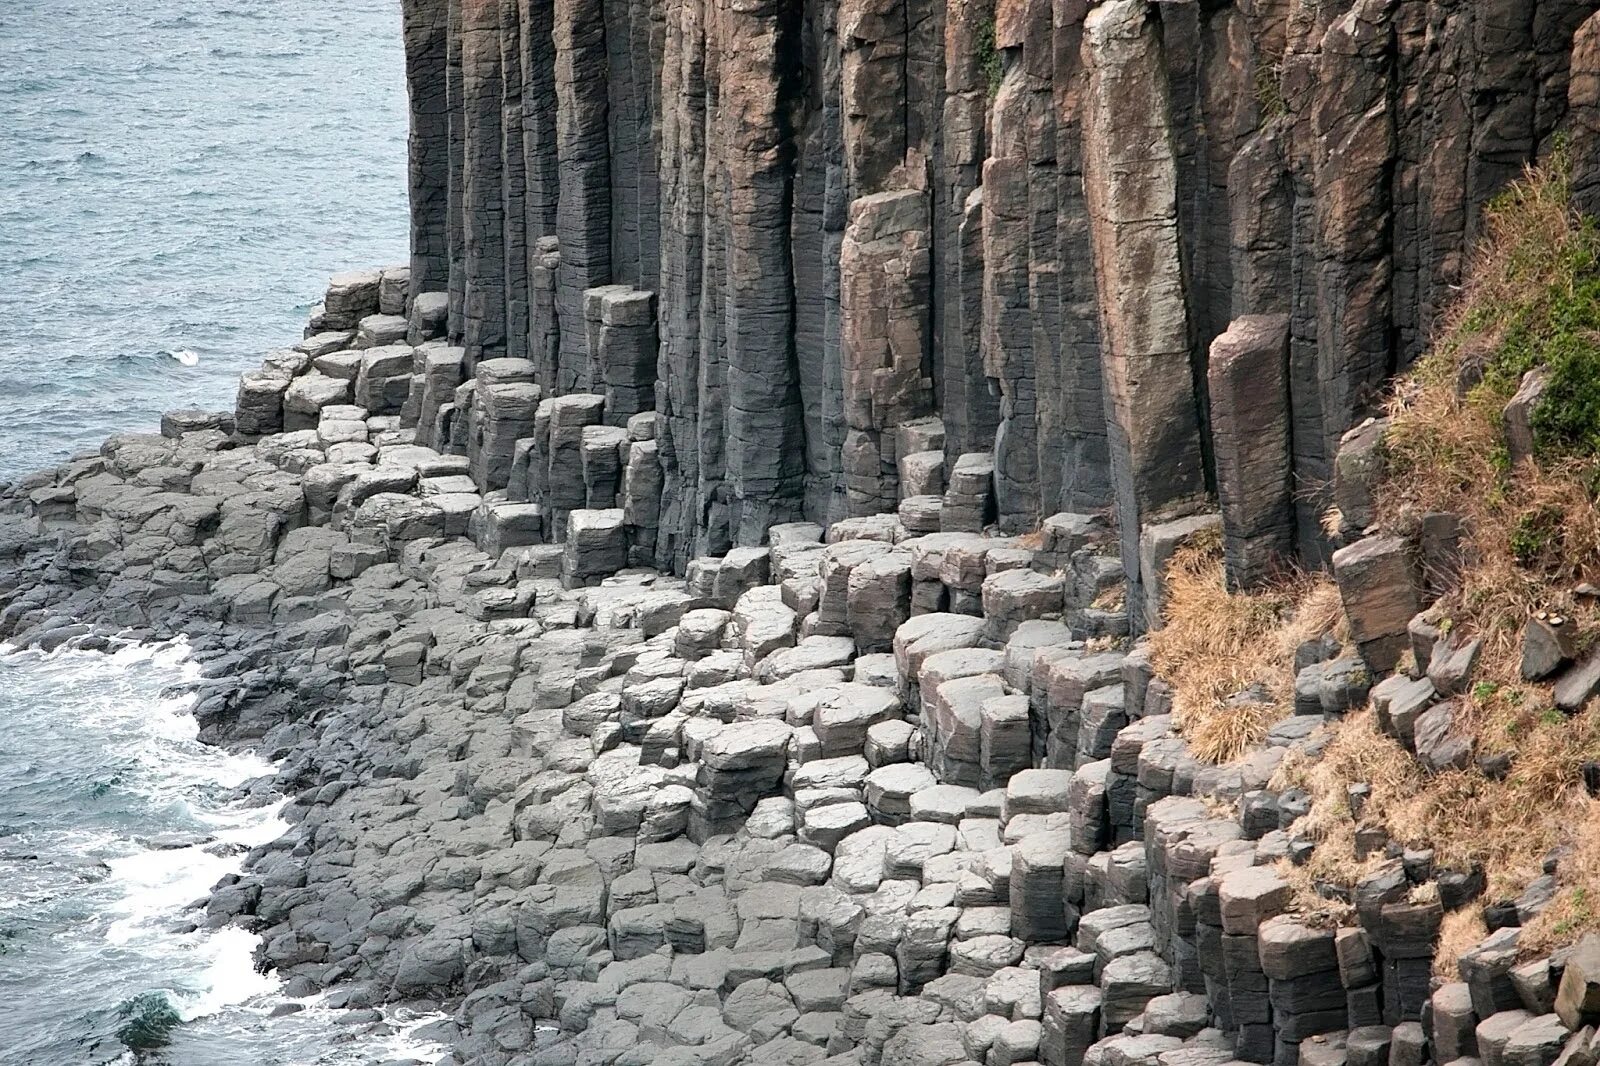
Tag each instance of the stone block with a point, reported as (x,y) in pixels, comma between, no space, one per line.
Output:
(1377,584)
(1249,395)
(1157,545)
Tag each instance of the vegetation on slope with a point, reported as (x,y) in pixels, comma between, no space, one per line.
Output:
(1217,644)
(1532,299)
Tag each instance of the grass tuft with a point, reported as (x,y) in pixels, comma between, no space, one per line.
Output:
(1215,644)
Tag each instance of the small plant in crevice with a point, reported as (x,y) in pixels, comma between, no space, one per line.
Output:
(987,54)
(1269,91)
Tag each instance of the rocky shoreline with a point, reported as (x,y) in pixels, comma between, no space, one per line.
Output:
(880,794)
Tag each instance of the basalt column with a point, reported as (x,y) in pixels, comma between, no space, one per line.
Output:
(1355,134)
(483,323)
(1007,338)
(1083,479)
(426,41)
(884,310)
(829,69)
(815,239)
(1294,93)
(969,408)
(872,35)
(455,236)
(541,171)
(1130,175)
(765,440)
(1044,289)
(1208,54)
(1585,96)
(514,163)
(683,119)
(635,248)
(583,211)
(710,494)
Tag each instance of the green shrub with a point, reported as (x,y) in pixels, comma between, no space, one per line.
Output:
(987,54)
(1546,311)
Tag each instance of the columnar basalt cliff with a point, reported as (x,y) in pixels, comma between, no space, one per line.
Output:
(1028,221)
(708,606)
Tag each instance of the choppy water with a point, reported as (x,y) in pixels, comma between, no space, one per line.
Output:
(115,821)
(177,180)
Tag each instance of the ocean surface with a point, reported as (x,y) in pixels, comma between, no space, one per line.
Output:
(179,178)
(115,821)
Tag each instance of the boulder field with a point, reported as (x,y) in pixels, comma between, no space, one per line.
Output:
(869,795)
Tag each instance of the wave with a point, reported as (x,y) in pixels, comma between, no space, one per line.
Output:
(183,356)
(171,822)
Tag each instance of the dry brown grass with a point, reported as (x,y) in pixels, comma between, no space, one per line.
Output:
(1505,826)
(1459,933)
(1534,534)
(1573,911)
(1215,644)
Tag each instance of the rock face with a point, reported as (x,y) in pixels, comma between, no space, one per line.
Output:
(789,230)
(693,600)
(866,794)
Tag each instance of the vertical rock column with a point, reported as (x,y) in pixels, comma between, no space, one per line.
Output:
(1297,86)
(1007,338)
(883,274)
(633,65)
(1078,405)
(765,439)
(1583,96)
(872,35)
(483,323)
(627,353)
(1354,126)
(709,496)
(455,237)
(1261,212)
(583,212)
(426,41)
(1250,426)
(514,162)
(544,332)
(441,374)
(541,171)
(1044,266)
(969,409)
(817,222)
(641,490)
(682,161)
(1131,179)
(835,217)
(505,401)
(561,481)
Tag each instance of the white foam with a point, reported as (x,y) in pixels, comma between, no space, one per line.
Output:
(230,978)
(213,971)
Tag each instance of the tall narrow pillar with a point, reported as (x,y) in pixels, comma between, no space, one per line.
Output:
(425,25)
(1130,176)
(483,209)
(583,213)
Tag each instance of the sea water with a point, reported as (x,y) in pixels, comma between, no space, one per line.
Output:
(115,821)
(179,178)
